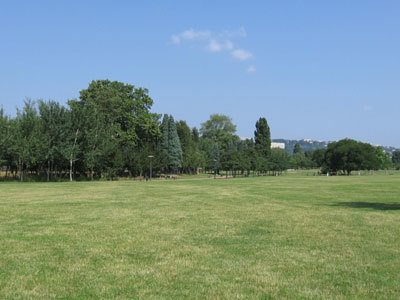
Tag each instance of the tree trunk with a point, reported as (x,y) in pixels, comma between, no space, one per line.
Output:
(71,161)
(48,171)
(91,174)
(21,174)
(70,170)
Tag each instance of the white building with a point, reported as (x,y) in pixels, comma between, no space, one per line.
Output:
(273,145)
(278,145)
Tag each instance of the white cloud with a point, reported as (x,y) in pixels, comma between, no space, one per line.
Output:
(368,108)
(241,32)
(192,34)
(216,46)
(241,54)
(228,45)
(175,39)
(216,42)
(251,69)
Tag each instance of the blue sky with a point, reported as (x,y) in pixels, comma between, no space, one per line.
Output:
(315,69)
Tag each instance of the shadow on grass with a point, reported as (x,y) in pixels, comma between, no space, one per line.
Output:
(373,205)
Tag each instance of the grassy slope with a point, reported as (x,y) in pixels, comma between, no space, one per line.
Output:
(267,237)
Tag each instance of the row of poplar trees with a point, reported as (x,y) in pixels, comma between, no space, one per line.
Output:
(110,132)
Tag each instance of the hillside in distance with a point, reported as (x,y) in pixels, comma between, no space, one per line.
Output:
(307,144)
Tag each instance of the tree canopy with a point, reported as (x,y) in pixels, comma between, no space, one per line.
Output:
(111,132)
(262,137)
(220,129)
(171,145)
(297,148)
(348,155)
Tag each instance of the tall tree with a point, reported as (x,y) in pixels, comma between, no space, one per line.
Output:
(210,153)
(279,160)
(120,123)
(185,138)
(262,137)
(396,157)
(188,146)
(244,155)
(318,157)
(195,135)
(165,138)
(297,148)
(5,137)
(171,145)
(383,157)
(73,132)
(220,129)
(300,161)
(192,156)
(27,138)
(175,149)
(96,137)
(53,120)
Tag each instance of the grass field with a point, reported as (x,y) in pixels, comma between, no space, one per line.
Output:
(289,237)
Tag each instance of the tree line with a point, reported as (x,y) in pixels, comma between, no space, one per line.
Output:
(110,132)
(345,156)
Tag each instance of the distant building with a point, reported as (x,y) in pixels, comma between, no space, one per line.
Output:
(278,145)
(273,144)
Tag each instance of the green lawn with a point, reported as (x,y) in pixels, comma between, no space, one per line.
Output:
(258,238)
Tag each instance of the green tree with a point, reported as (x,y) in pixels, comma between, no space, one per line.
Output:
(396,157)
(27,139)
(251,154)
(300,161)
(348,155)
(383,158)
(175,149)
(73,130)
(170,143)
(52,121)
(262,137)
(119,122)
(318,157)
(297,148)
(5,138)
(197,157)
(189,139)
(279,160)
(220,129)
(96,137)
(211,153)
(187,145)
(262,163)
(230,160)
(195,135)
(244,155)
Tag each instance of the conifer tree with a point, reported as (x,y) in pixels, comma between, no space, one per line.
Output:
(262,136)
(170,144)
(174,146)
(165,135)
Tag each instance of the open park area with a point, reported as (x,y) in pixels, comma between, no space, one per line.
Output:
(258,238)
